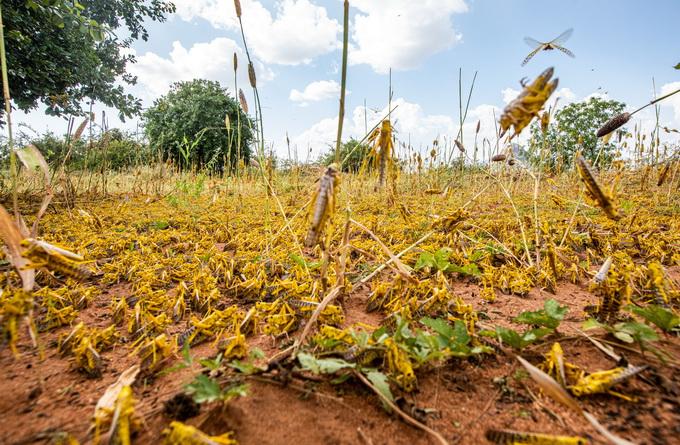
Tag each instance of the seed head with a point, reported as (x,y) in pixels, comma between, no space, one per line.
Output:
(251,75)
(237,5)
(242,100)
(613,123)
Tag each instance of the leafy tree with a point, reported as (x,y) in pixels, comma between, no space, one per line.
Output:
(188,125)
(61,52)
(112,150)
(573,128)
(357,153)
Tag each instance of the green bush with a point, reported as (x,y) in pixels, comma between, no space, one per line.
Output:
(573,128)
(187,125)
(356,152)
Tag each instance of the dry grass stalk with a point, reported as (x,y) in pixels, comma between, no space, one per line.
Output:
(603,199)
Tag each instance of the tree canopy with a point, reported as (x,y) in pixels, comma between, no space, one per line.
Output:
(573,128)
(351,152)
(61,52)
(188,125)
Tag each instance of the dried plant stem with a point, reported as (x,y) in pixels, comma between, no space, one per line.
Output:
(332,295)
(367,278)
(8,113)
(408,419)
(519,220)
(343,82)
(403,271)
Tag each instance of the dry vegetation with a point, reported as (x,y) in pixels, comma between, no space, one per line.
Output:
(208,290)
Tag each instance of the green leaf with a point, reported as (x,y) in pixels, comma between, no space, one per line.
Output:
(639,331)
(482,349)
(322,366)
(468,269)
(539,318)
(304,263)
(550,316)
(204,389)
(212,364)
(426,259)
(441,258)
(554,310)
(256,353)
(677,67)
(440,326)
(624,337)
(591,323)
(518,341)
(659,316)
(235,391)
(244,367)
(535,334)
(509,336)
(159,225)
(379,380)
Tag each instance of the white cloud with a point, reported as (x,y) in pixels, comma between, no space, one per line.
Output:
(401,34)
(315,92)
(411,123)
(673,101)
(299,31)
(212,60)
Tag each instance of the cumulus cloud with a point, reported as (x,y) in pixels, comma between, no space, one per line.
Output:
(210,60)
(401,34)
(673,101)
(297,33)
(411,123)
(315,92)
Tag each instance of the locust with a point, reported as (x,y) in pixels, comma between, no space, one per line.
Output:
(54,258)
(529,103)
(555,43)
(324,204)
(507,437)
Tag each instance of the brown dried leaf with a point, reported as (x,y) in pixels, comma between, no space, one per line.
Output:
(550,386)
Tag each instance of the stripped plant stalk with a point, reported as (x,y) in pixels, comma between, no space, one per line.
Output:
(8,113)
(343,82)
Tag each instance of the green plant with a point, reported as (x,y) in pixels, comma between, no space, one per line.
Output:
(549,317)
(439,261)
(205,389)
(187,125)
(663,318)
(453,340)
(573,129)
(519,340)
(546,321)
(352,152)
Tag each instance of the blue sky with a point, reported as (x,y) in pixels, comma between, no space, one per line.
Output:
(619,47)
